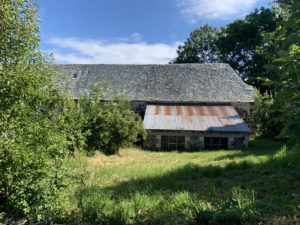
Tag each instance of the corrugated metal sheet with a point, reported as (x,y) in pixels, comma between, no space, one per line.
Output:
(194,118)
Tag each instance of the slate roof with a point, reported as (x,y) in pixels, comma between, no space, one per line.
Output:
(181,83)
(221,118)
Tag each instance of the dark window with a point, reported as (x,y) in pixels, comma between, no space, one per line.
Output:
(215,143)
(172,142)
(215,140)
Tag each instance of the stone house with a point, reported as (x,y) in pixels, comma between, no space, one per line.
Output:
(183,106)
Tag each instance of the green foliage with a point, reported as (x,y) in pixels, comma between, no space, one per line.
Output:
(94,124)
(33,151)
(115,125)
(283,52)
(200,47)
(264,49)
(19,32)
(86,113)
(265,115)
(72,120)
(77,118)
(238,42)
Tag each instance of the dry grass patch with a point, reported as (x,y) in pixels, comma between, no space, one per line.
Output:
(125,156)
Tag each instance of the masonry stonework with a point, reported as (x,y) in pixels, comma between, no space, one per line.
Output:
(195,140)
(245,109)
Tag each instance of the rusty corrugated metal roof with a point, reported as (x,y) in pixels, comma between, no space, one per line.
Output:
(194,118)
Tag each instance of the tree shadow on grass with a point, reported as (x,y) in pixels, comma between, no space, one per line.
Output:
(232,156)
(268,152)
(274,180)
(195,179)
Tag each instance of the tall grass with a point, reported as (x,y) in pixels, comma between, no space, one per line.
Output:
(259,184)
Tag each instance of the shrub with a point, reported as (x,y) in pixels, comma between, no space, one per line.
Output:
(265,115)
(33,150)
(116,125)
(95,124)
(73,122)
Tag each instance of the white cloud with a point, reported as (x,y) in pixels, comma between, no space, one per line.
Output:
(195,10)
(133,38)
(131,50)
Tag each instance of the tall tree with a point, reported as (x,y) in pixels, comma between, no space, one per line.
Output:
(283,52)
(238,42)
(200,47)
(31,145)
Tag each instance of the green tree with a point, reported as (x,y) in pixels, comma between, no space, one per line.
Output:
(32,147)
(238,42)
(199,47)
(77,119)
(235,44)
(265,115)
(283,52)
(93,123)
(73,121)
(115,126)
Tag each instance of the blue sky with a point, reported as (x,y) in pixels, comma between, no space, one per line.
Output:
(129,31)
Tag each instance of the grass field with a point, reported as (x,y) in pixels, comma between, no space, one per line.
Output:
(260,184)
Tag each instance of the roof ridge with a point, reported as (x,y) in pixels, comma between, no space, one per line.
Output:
(173,64)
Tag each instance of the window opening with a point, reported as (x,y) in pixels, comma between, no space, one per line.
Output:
(215,143)
(172,142)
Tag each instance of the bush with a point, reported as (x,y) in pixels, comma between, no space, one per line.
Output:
(33,149)
(115,125)
(72,121)
(266,115)
(93,124)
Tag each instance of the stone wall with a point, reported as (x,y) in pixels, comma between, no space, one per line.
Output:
(238,142)
(153,141)
(195,140)
(245,109)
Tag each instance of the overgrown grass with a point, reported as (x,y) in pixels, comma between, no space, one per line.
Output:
(249,186)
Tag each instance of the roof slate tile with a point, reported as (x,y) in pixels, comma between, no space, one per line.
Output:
(186,83)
